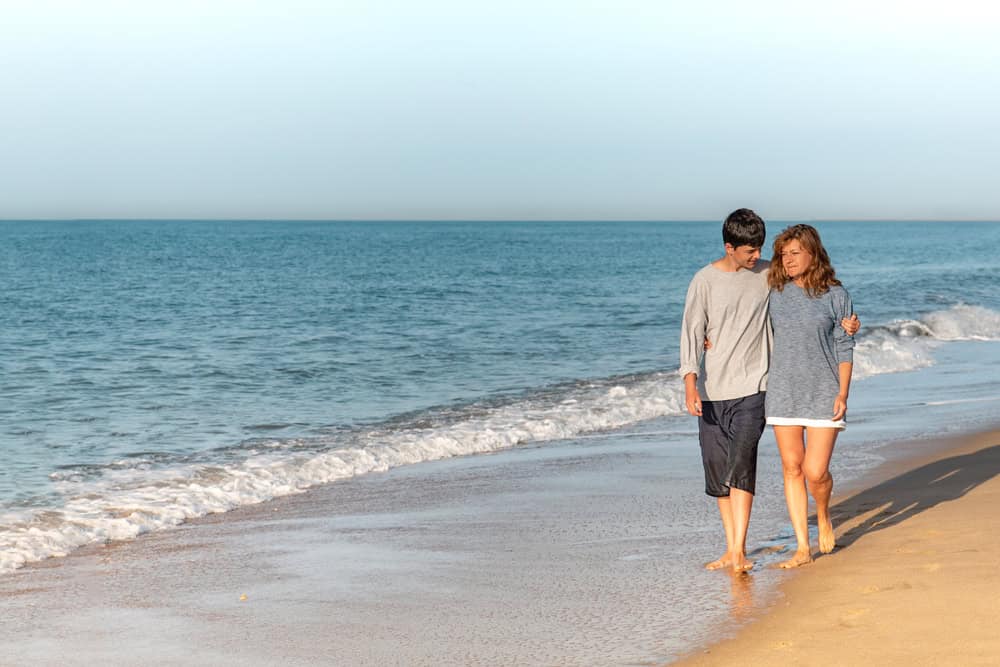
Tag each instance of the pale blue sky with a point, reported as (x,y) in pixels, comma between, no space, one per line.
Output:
(364,109)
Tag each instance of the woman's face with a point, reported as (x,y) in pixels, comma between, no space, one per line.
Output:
(795,259)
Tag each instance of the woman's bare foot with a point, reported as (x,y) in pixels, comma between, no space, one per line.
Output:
(800,558)
(826,539)
(720,563)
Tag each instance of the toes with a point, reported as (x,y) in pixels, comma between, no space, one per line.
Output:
(827,541)
(796,561)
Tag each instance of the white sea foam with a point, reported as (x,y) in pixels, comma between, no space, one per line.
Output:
(128,498)
(907,345)
(888,351)
(964,323)
(127,501)
(956,401)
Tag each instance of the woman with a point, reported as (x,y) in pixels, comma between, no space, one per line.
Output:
(809,378)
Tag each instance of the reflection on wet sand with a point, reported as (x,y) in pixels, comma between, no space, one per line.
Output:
(741,595)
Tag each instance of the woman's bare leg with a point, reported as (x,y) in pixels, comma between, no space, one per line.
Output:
(792,448)
(816,466)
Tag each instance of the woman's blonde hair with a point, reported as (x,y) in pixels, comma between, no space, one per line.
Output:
(820,275)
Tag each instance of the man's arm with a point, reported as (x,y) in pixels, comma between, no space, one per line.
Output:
(693,328)
(692,399)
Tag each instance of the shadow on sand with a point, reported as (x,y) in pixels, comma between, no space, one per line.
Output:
(914,492)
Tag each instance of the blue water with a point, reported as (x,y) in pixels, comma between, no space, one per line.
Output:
(155,371)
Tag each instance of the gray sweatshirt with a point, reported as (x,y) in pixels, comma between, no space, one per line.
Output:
(730,309)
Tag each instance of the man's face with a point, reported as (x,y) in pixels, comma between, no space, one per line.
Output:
(745,256)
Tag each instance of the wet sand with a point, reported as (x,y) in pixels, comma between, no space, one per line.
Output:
(915,579)
(558,555)
(565,554)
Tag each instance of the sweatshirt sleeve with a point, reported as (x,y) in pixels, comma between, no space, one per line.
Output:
(842,307)
(693,327)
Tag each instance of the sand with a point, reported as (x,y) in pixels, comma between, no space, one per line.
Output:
(915,579)
(554,555)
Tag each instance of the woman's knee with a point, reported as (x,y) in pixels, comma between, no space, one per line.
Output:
(817,476)
(792,469)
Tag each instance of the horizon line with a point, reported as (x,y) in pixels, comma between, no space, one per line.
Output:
(484,220)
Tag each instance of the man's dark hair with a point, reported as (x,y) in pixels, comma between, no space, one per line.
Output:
(743,227)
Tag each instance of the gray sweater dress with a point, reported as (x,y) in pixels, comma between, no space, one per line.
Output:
(809,346)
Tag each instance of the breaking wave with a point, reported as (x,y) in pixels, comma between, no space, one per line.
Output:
(127,498)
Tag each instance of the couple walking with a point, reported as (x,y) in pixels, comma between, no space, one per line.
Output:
(735,380)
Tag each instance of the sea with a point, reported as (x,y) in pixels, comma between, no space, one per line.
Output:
(152,372)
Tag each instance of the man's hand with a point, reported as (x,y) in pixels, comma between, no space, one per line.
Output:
(851,324)
(692,400)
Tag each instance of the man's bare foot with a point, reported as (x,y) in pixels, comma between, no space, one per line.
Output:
(826,539)
(720,563)
(800,558)
(741,564)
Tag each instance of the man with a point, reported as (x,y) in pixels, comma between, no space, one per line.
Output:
(725,381)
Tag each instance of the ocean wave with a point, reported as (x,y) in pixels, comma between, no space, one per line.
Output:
(907,345)
(130,497)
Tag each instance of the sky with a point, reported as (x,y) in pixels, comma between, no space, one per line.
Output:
(618,110)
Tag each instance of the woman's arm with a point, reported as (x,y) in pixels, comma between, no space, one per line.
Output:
(844,349)
(840,403)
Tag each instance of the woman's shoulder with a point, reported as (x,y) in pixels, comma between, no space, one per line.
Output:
(838,292)
(838,298)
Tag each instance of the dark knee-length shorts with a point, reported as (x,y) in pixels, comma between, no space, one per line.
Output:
(728,432)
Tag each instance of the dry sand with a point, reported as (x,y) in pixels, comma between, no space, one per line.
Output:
(915,579)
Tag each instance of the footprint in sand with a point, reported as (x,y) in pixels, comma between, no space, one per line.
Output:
(637,556)
(932,567)
(849,620)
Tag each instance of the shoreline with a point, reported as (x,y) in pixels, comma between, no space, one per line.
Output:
(559,554)
(913,579)
(563,554)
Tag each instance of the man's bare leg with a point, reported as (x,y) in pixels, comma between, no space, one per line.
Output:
(740,503)
(734,511)
(726,514)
